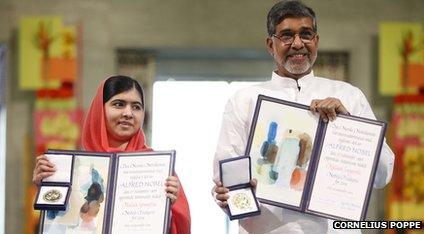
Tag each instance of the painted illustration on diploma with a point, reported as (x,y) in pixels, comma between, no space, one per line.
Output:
(284,162)
(92,201)
(281,148)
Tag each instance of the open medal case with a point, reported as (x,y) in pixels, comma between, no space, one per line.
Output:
(54,191)
(235,174)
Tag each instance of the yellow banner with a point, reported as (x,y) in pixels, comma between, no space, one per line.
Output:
(401,58)
(47,53)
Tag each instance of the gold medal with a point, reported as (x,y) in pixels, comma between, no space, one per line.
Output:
(242,201)
(53,195)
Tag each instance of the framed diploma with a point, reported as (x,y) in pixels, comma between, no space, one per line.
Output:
(113,193)
(236,175)
(304,164)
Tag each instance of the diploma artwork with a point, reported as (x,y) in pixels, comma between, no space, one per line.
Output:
(107,193)
(304,164)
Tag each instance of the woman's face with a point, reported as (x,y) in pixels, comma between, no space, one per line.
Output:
(124,117)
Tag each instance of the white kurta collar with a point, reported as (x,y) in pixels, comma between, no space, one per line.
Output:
(288,82)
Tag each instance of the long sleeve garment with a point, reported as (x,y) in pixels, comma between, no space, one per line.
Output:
(234,133)
(180,211)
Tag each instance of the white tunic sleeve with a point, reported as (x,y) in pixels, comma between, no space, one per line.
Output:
(232,138)
(387,157)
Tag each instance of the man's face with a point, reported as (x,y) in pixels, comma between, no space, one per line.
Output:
(296,59)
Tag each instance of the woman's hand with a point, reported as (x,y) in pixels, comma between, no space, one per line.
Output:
(328,108)
(172,188)
(43,169)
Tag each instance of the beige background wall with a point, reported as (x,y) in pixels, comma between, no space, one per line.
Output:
(348,25)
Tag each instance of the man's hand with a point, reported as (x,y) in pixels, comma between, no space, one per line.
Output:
(254,183)
(221,193)
(328,108)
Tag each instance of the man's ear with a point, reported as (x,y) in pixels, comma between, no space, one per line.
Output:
(317,36)
(270,46)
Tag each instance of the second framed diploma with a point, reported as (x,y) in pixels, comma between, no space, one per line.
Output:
(304,164)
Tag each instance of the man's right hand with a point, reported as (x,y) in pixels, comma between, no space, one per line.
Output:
(221,193)
(43,169)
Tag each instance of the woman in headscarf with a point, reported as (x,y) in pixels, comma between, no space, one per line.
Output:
(114,124)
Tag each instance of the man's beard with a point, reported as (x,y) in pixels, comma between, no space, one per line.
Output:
(296,68)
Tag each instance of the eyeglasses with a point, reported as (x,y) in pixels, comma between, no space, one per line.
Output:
(288,37)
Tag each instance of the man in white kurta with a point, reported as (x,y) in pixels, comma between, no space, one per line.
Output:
(236,124)
(293,43)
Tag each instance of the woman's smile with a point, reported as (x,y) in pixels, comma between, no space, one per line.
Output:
(124,116)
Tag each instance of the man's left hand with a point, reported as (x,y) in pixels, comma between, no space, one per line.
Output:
(328,108)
